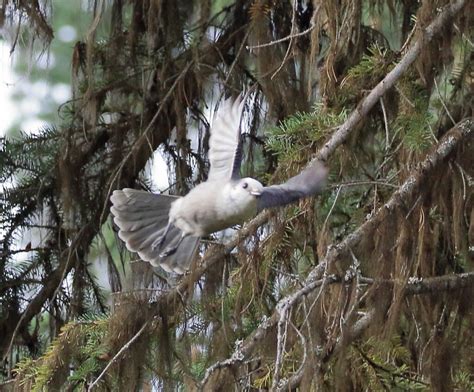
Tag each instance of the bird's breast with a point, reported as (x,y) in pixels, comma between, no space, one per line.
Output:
(209,208)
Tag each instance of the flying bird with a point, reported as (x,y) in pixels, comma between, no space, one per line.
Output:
(165,230)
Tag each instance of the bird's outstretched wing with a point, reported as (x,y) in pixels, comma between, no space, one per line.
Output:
(225,150)
(309,182)
(142,218)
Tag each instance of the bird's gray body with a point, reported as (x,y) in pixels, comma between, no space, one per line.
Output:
(165,230)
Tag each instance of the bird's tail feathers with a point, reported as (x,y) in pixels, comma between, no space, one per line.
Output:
(142,219)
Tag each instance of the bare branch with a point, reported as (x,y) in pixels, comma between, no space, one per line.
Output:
(277,41)
(116,356)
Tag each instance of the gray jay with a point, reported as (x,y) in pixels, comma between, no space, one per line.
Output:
(165,230)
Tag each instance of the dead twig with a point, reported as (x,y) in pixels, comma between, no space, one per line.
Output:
(116,356)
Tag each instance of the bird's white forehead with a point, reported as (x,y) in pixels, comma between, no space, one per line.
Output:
(253,183)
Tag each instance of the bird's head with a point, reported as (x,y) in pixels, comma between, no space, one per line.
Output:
(247,188)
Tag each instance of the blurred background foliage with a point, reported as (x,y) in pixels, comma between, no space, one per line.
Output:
(40,83)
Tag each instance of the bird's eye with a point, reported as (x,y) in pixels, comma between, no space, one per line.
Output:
(245,185)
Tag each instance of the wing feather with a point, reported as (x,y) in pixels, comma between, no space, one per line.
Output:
(225,143)
(307,183)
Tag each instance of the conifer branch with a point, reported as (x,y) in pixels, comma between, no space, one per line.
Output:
(404,196)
